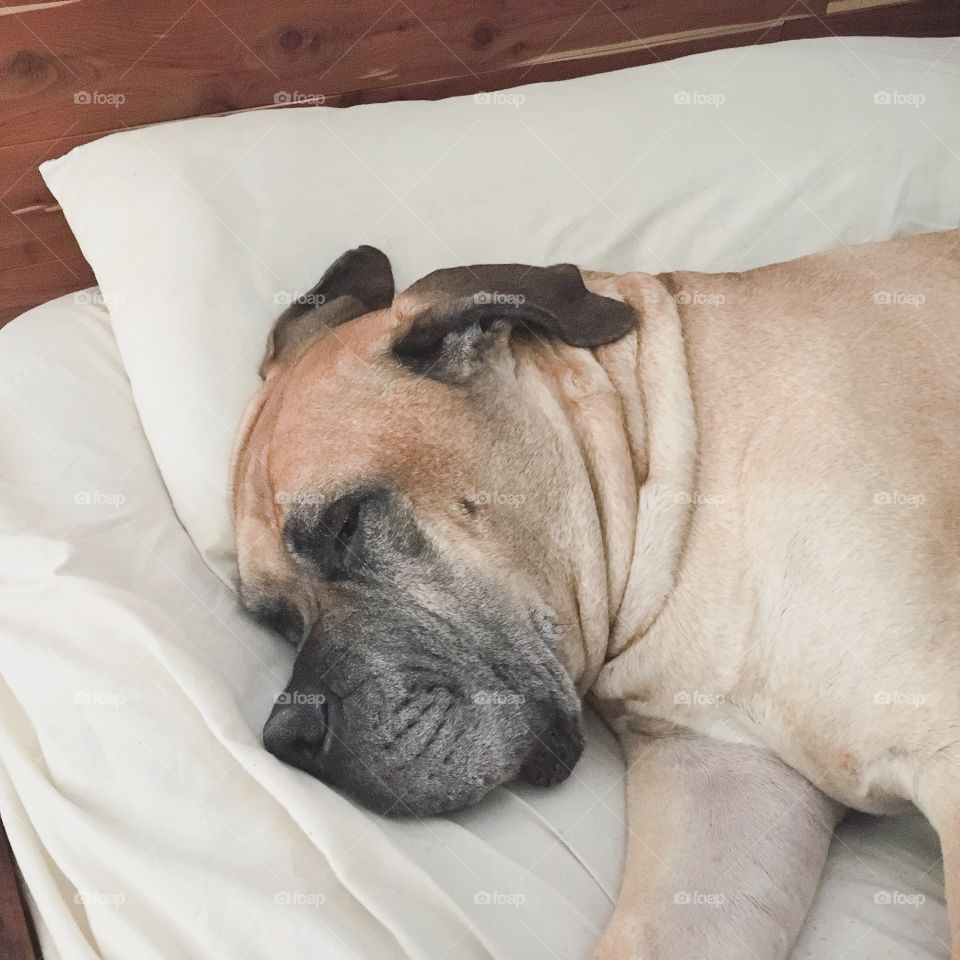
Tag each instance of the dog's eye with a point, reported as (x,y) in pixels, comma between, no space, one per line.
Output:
(331,545)
(280,615)
(347,542)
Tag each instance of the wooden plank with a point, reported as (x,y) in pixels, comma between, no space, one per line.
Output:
(929,18)
(18,939)
(843,6)
(177,58)
(26,287)
(82,68)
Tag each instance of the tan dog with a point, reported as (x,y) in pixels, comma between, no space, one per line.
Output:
(724,506)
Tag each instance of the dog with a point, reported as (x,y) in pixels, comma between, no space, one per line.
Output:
(722,507)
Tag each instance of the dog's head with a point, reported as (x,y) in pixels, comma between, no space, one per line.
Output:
(402,498)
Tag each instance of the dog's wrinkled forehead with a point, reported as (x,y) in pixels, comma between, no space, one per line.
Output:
(365,386)
(351,359)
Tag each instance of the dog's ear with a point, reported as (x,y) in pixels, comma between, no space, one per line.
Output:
(460,311)
(357,282)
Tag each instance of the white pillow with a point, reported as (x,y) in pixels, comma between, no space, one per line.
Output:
(200,231)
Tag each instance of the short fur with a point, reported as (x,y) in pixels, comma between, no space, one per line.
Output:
(735,527)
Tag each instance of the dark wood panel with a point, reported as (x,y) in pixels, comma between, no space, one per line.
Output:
(940,18)
(24,287)
(73,70)
(100,65)
(17,937)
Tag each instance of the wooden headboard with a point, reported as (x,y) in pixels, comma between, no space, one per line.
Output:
(74,70)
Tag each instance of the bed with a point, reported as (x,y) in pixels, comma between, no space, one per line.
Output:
(145,817)
(148,821)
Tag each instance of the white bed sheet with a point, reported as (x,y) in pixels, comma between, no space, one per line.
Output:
(146,817)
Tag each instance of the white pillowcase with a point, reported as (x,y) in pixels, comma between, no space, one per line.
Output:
(200,231)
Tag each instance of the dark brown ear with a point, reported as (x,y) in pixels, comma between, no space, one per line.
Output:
(357,282)
(465,306)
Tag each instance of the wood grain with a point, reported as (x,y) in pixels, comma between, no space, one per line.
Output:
(74,70)
(17,937)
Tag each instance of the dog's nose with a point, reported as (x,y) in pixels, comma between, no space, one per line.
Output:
(297,729)
(556,753)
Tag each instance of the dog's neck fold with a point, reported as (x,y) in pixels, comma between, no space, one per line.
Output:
(630,410)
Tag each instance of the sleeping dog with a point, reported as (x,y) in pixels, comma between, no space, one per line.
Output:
(724,507)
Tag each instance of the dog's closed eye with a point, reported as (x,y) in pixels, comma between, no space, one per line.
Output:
(331,542)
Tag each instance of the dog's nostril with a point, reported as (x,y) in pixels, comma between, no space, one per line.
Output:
(296,732)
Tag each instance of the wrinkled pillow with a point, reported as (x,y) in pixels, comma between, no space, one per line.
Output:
(201,231)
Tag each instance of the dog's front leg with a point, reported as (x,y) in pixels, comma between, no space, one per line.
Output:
(725,849)
(939,799)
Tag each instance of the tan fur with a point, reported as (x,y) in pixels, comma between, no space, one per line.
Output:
(745,515)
